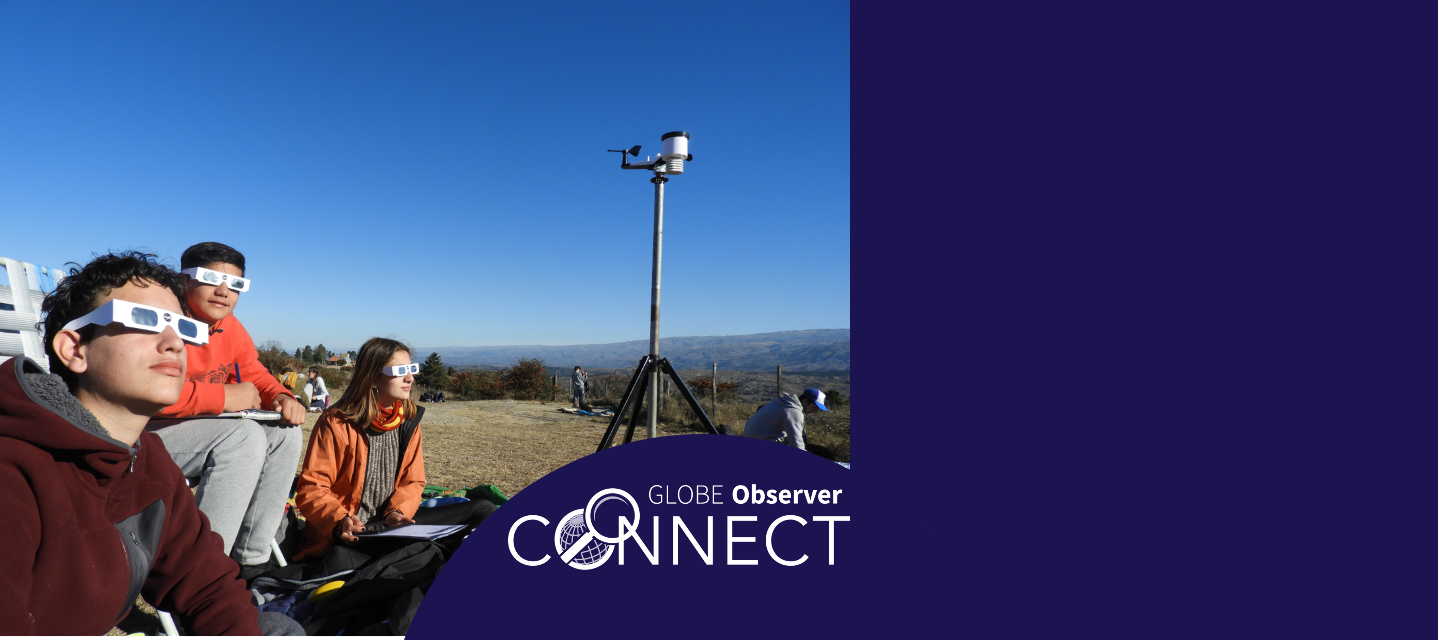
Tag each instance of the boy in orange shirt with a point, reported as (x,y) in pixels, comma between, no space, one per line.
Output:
(245,467)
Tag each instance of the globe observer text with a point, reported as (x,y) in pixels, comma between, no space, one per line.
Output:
(710,494)
(578,532)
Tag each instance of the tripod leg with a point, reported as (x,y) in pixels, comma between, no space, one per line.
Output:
(639,404)
(625,401)
(689,397)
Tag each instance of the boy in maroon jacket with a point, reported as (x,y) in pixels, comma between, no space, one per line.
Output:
(96,512)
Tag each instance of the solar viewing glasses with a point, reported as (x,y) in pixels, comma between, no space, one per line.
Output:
(139,316)
(206,276)
(400,370)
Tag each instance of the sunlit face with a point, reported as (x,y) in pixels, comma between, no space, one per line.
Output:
(392,389)
(134,367)
(210,302)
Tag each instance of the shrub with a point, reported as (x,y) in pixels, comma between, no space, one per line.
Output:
(528,380)
(723,390)
(275,359)
(835,399)
(698,385)
(336,377)
(476,385)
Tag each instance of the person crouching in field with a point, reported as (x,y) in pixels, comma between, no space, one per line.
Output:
(783,419)
(319,395)
(364,464)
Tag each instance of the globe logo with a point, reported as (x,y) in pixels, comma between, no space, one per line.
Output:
(579,543)
(593,553)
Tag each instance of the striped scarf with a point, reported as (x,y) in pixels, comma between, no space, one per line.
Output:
(390,417)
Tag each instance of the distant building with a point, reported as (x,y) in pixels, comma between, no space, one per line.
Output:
(339,361)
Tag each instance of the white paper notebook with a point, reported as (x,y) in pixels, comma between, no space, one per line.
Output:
(417,531)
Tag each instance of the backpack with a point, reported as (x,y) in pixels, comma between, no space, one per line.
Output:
(381,597)
(384,586)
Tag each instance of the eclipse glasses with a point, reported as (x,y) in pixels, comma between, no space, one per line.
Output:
(206,276)
(400,370)
(139,316)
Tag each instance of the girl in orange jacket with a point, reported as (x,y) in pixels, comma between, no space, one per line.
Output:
(364,464)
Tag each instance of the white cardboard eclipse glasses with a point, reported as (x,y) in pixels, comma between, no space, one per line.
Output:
(139,316)
(400,370)
(205,276)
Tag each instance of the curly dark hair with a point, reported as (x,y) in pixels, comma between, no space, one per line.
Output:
(81,292)
(206,253)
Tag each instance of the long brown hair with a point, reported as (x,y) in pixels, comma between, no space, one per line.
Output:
(358,404)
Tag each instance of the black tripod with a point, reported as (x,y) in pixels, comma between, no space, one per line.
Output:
(635,393)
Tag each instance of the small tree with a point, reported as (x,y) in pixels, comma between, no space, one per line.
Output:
(465,385)
(433,374)
(297,353)
(527,380)
(834,398)
(273,356)
(321,355)
(307,354)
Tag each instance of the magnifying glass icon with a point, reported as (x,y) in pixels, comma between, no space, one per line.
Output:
(591,532)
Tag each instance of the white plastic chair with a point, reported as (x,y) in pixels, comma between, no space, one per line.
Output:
(20,309)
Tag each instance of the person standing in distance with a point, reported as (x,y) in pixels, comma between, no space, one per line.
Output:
(577,384)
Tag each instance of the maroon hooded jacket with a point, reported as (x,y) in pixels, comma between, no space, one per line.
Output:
(89,523)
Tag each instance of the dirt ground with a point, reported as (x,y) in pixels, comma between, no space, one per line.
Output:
(506,443)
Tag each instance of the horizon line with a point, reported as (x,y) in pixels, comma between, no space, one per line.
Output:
(586,344)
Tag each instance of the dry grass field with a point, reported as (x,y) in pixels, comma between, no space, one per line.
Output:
(511,444)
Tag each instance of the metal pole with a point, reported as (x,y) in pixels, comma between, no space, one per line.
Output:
(714,375)
(654,400)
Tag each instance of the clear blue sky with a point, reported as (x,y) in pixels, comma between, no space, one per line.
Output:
(437,171)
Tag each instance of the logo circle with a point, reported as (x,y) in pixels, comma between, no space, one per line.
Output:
(603,497)
(571,531)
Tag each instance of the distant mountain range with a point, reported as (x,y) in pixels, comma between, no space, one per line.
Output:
(812,349)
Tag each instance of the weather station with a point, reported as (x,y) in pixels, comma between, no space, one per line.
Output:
(645,384)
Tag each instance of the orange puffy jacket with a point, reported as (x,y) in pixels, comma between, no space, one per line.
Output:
(333,478)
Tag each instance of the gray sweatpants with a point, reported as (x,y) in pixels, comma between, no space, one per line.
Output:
(245,469)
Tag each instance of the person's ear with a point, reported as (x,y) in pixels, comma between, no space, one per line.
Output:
(71,351)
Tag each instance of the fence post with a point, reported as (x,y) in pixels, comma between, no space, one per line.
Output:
(714,374)
(778,392)
(554,385)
